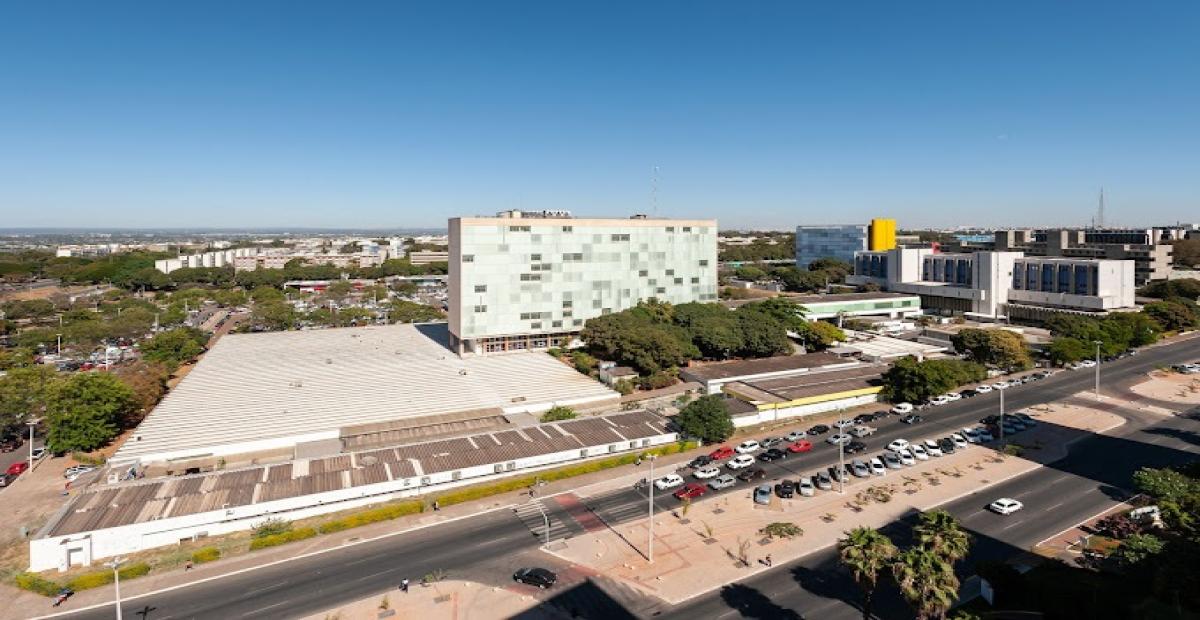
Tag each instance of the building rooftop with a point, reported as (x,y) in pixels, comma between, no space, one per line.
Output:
(740,368)
(309,384)
(811,299)
(148,500)
(809,384)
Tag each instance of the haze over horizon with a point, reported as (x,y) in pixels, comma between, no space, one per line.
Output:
(383,115)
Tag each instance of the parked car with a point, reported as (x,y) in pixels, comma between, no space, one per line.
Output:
(877,466)
(843,423)
(724,481)
(795,436)
(838,473)
(774,454)
(862,431)
(933,447)
(968,393)
(1000,385)
(38,453)
(991,419)
(819,429)
(938,400)
(863,418)
(983,389)
(752,474)
(18,468)
(912,419)
(747,447)
(6,480)
(691,490)
(892,461)
(919,452)
(537,577)
(970,434)
(854,447)
(898,444)
(1025,418)
(959,442)
(860,469)
(1005,506)
(700,461)
(906,456)
(952,396)
(1087,363)
(823,481)
(740,461)
(785,489)
(75,470)
(805,487)
(800,446)
(837,439)
(772,442)
(762,494)
(668,481)
(947,446)
(721,453)
(8,444)
(902,408)
(706,472)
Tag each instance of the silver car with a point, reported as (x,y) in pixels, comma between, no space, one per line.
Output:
(805,487)
(762,495)
(722,482)
(860,469)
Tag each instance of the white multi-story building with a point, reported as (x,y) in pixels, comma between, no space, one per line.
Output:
(530,281)
(995,285)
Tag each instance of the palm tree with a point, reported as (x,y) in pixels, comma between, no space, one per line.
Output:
(926,581)
(939,532)
(866,552)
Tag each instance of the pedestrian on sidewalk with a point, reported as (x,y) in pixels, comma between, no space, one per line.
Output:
(187,566)
(404,586)
(436,506)
(769,560)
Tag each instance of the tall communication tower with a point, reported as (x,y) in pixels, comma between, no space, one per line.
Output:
(1100,211)
(654,192)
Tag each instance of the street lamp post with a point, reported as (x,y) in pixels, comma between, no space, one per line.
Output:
(650,486)
(31,423)
(115,564)
(1001,416)
(842,467)
(1098,343)
(545,519)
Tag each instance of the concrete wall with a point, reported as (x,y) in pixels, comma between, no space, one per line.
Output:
(800,411)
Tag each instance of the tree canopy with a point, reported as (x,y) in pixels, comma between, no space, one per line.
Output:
(86,410)
(707,418)
(911,381)
(174,347)
(997,348)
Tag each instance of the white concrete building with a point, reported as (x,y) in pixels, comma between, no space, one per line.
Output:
(992,285)
(530,281)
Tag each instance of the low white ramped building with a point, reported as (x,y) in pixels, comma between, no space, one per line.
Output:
(133,516)
(281,391)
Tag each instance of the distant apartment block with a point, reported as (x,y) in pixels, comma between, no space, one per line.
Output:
(843,241)
(250,259)
(1148,248)
(426,257)
(992,284)
(530,281)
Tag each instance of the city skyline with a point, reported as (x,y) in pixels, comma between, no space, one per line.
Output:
(760,117)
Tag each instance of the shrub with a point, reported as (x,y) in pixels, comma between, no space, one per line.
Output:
(558,412)
(272,527)
(36,583)
(624,387)
(283,538)
(781,529)
(207,554)
(99,578)
(87,459)
(660,379)
(374,515)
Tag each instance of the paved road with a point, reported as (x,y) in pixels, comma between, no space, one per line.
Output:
(488,547)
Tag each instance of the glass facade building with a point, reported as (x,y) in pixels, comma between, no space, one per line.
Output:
(840,242)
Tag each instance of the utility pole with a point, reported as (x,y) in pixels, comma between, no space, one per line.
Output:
(31,423)
(842,467)
(545,518)
(1001,426)
(1098,343)
(114,565)
(650,486)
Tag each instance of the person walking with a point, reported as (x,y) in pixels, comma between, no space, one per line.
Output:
(769,561)
(188,566)
(436,506)
(404,586)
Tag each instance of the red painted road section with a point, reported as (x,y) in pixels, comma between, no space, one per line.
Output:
(584,517)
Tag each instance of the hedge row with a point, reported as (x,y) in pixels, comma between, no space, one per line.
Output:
(284,538)
(207,554)
(86,581)
(374,515)
(36,583)
(523,482)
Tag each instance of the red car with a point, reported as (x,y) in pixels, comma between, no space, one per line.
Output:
(800,446)
(18,468)
(723,452)
(691,490)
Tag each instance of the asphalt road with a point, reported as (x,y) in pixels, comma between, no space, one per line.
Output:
(488,547)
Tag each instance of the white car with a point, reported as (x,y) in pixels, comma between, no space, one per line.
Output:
(983,389)
(877,467)
(805,487)
(1000,385)
(970,434)
(892,461)
(838,439)
(747,447)
(1087,363)
(902,408)
(932,448)
(919,452)
(1005,506)
(938,400)
(740,461)
(953,396)
(843,423)
(704,473)
(668,481)
(959,442)
(898,445)
(38,453)
(906,457)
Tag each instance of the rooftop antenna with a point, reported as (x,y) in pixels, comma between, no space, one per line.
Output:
(1100,212)
(654,192)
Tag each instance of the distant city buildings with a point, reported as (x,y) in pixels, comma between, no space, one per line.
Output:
(842,242)
(530,280)
(340,252)
(1148,248)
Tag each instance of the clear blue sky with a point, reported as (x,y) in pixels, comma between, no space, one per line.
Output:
(387,114)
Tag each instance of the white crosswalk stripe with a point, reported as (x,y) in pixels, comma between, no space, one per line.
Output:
(532,517)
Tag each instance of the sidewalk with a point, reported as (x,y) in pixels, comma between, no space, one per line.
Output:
(449,600)
(718,541)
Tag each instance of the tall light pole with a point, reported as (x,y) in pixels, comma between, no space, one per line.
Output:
(842,467)
(1001,426)
(1098,343)
(545,518)
(115,564)
(650,542)
(31,423)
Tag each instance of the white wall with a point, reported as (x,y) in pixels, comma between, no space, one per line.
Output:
(772,415)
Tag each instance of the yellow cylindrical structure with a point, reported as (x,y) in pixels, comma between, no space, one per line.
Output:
(883,234)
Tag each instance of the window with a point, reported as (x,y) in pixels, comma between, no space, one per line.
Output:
(468,258)
(695,280)
(660,290)
(704,263)
(424,479)
(535,258)
(643,273)
(678,280)
(456,475)
(670,272)
(481,308)
(568,229)
(687,229)
(620,237)
(518,229)
(671,229)
(535,326)
(556,324)
(568,314)
(606,311)
(596,303)
(499,468)
(531,277)
(577,322)
(573,257)
(480,288)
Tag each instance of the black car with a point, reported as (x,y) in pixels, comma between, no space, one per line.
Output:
(785,489)
(863,418)
(752,474)
(992,419)
(968,393)
(700,461)
(946,445)
(539,577)
(854,447)
(838,474)
(819,429)
(912,419)
(774,454)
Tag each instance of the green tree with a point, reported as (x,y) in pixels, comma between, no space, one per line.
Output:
(941,533)
(559,412)
(1173,314)
(927,582)
(997,348)
(1064,350)
(707,418)
(820,335)
(866,552)
(23,393)
(911,381)
(174,347)
(1188,288)
(84,412)
(751,273)
(1138,547)
(273,315)
(401,311)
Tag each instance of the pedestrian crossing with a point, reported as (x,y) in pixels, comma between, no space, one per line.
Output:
(562,526)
